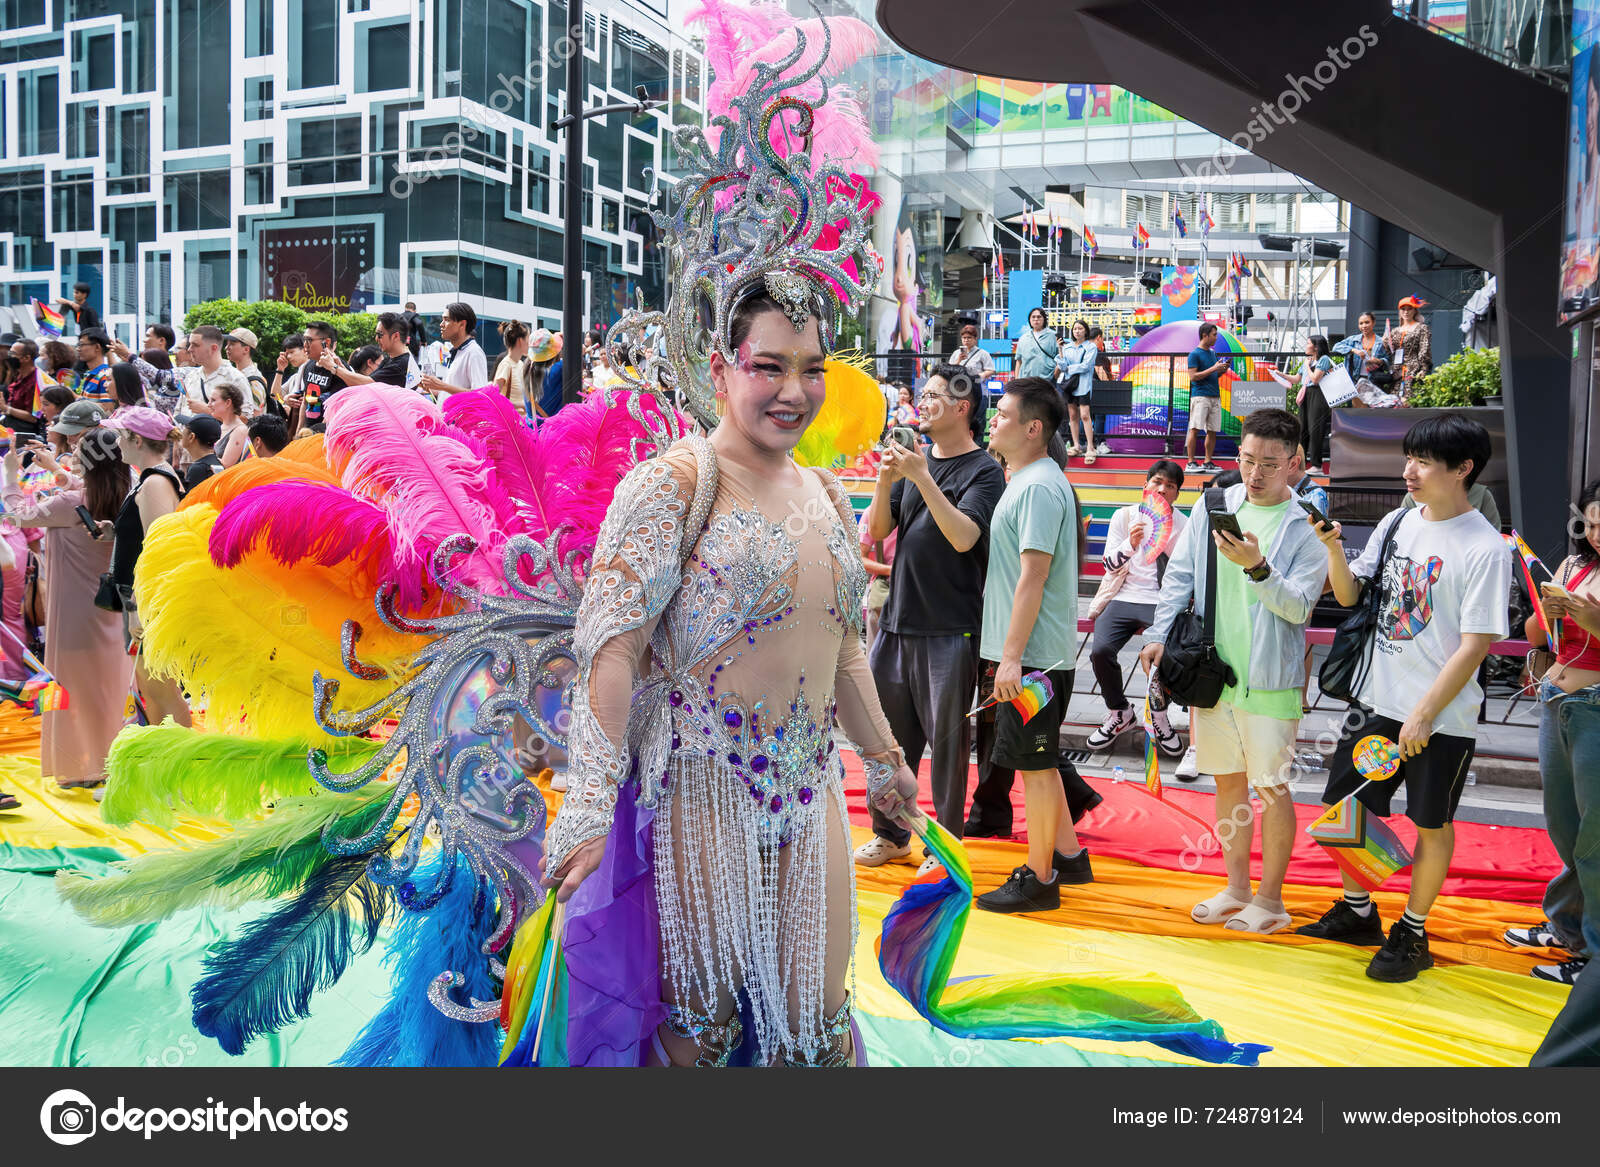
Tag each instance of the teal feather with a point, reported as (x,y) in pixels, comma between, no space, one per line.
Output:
(258,861)
(157,770)
(266,977)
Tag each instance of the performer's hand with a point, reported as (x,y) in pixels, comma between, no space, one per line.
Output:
(1136,534)
(1150,657)
(1008,680)
(581,864)
(898,798)
(1414,734)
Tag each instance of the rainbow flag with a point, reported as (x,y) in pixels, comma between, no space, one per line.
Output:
(1152,767)
(1141,237)
(1364,847)
(1147,316)
(50,321)
(1037,692)
(917,949)
(1090,243)
(1097,289)
(51,698)
(1177,221)
(1528,561)
(1206,221)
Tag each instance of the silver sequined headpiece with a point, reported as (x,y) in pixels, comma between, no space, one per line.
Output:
(741,221)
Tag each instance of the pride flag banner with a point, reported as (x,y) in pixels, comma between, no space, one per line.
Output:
(1096,289)
(1362,846)
(1037,692)
(917,949)
(50,321)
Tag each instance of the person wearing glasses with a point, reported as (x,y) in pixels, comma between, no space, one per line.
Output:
(1266,585)
(468,367)
(937,503)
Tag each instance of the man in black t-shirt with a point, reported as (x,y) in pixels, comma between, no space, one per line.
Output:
(319,376)
(78,308)
(397,367)
(925,659)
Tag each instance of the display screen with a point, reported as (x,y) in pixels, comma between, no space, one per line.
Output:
(1580,247)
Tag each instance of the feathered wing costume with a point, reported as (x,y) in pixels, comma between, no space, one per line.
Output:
(504,576)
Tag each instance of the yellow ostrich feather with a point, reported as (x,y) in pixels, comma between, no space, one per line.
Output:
(250,637)
(852,416)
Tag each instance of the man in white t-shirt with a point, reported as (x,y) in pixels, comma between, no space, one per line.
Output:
(1445,579)
(468,368)
(1131,609)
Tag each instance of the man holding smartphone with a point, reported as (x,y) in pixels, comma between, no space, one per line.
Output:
(924,661)
(1269,575)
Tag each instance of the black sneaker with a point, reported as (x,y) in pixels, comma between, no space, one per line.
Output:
(1073,870)
(1022,893)
(1565,973)
(1342,922)
(1402,956)
(1208,464)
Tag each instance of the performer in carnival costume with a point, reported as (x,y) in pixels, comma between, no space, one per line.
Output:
(684,660)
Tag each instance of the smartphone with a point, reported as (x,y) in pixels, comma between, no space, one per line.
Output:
(88,521)
(1226,521)
(1310,509)
(1555,589)
(905,436)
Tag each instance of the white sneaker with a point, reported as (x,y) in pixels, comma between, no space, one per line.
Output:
(1115,725)
(928,865)
(877,851)
(1188,769)
(1191,466)
(1167,739)
(1102,449)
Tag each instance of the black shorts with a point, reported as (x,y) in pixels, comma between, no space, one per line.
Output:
(1036,745)
(1434,779)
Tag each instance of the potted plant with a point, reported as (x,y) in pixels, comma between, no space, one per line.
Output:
(1467,379)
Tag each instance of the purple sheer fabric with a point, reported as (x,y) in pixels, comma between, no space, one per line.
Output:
(613,954)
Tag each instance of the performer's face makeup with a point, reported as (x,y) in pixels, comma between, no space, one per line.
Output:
(776,386)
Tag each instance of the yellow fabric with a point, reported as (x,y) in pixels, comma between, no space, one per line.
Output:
(53,817)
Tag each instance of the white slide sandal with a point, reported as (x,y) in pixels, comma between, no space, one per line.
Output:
(1220,907)
(1259,921)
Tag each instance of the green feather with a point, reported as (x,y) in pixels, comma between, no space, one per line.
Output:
(259,861)
(155,770)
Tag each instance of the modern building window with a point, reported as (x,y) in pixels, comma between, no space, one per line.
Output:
(94,59)
(73,201)
(198,83)
(38,103)
(258,104)
(387,52)
(326,150)
(258,173)
(128,150)
(257,28)
(83,130)
(313,43)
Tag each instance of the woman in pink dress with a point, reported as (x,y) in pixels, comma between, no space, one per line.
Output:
(83,644)
(13,573)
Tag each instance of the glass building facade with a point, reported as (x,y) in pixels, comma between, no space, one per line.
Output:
(332,153)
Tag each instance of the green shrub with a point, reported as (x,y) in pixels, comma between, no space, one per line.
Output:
(270,320)
(354,329)
(1464,380)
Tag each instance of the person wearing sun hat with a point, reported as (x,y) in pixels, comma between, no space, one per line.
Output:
(1412,344)
(144,438)
(544,364)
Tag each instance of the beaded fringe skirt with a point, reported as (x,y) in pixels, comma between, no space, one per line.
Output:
(743,898)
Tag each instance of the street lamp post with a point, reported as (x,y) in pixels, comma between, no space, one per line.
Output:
(572,210)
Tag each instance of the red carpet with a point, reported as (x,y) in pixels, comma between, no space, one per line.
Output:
(1497,863)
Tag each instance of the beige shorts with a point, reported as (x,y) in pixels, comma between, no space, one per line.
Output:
(1205,413)
(1228,740)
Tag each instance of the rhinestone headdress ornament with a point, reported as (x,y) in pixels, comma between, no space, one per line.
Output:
(744,220)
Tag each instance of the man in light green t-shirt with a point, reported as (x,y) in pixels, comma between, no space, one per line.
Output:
(1030,623)
(1266,584)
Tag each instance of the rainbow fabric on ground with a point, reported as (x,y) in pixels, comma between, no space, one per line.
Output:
(917,950)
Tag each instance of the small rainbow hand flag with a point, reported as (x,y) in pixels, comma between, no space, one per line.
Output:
(52,698)
(1037,692)
(1152,767)
(1363,846)
(50,321)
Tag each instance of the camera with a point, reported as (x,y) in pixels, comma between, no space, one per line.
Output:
(72,1118)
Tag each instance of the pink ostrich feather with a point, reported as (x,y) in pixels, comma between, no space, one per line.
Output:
(512,447)
(348,530)
(394,446)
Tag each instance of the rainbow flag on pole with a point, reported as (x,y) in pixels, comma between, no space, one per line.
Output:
(1090,243)
(1363,846)
(50,321)
(1037,692)
(1141,237)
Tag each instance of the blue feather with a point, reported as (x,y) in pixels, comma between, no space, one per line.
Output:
(265,978)
(409,1031)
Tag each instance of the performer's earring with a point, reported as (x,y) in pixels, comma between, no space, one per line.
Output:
(722,404)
